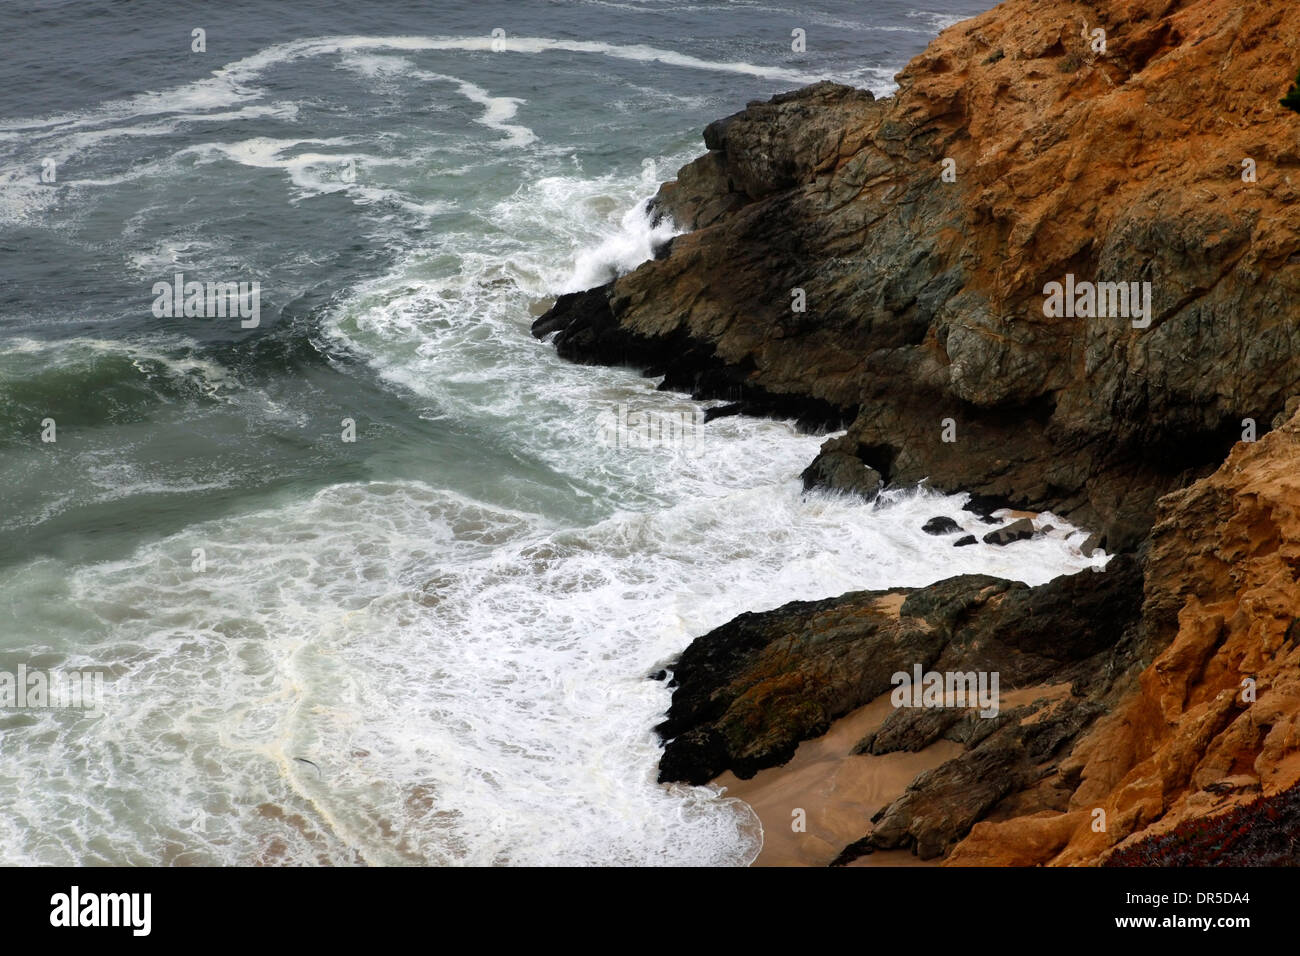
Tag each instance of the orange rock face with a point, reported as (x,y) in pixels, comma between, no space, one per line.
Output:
(1215,718)
(1061,145)
(1074,160)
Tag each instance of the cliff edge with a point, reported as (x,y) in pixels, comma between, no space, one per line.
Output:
(1166,159)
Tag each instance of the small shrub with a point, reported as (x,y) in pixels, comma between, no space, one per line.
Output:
(1265,832)
(1292,99)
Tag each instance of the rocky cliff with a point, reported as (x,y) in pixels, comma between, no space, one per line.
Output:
(887,265)
(1183,669)
(1164,159)
(1214,720)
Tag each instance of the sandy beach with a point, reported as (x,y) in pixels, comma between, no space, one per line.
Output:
(839,791)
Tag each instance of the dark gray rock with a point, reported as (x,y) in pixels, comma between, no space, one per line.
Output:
(1090,544)
(941,525)
(1019,530)
(831,192)
(843,473)
(746,694)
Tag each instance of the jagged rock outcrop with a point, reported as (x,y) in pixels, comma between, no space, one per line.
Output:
(923,299)
(1214,719)
(750,691)
(1184,701)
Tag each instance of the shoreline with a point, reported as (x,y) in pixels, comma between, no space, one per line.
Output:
(840,791)
(931,350)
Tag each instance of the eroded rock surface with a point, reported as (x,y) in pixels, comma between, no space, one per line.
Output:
(750,691)
(1214,720)
(924,298)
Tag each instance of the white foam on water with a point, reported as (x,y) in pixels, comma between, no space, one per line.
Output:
(470,681)
(168,255)
(387,70)
(25,203)
(450,323)
(642,53)
(233,84)
(699,539)
(496,111)
(26,200)
(937,21)
(312,173)
(21,356)
(803,16)
(230,95)
(635,242)
(60,145)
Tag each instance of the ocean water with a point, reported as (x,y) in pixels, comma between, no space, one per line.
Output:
(429,645)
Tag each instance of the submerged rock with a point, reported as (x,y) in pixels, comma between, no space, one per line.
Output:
(1019,530)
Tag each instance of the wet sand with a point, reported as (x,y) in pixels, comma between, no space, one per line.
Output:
(839,792)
